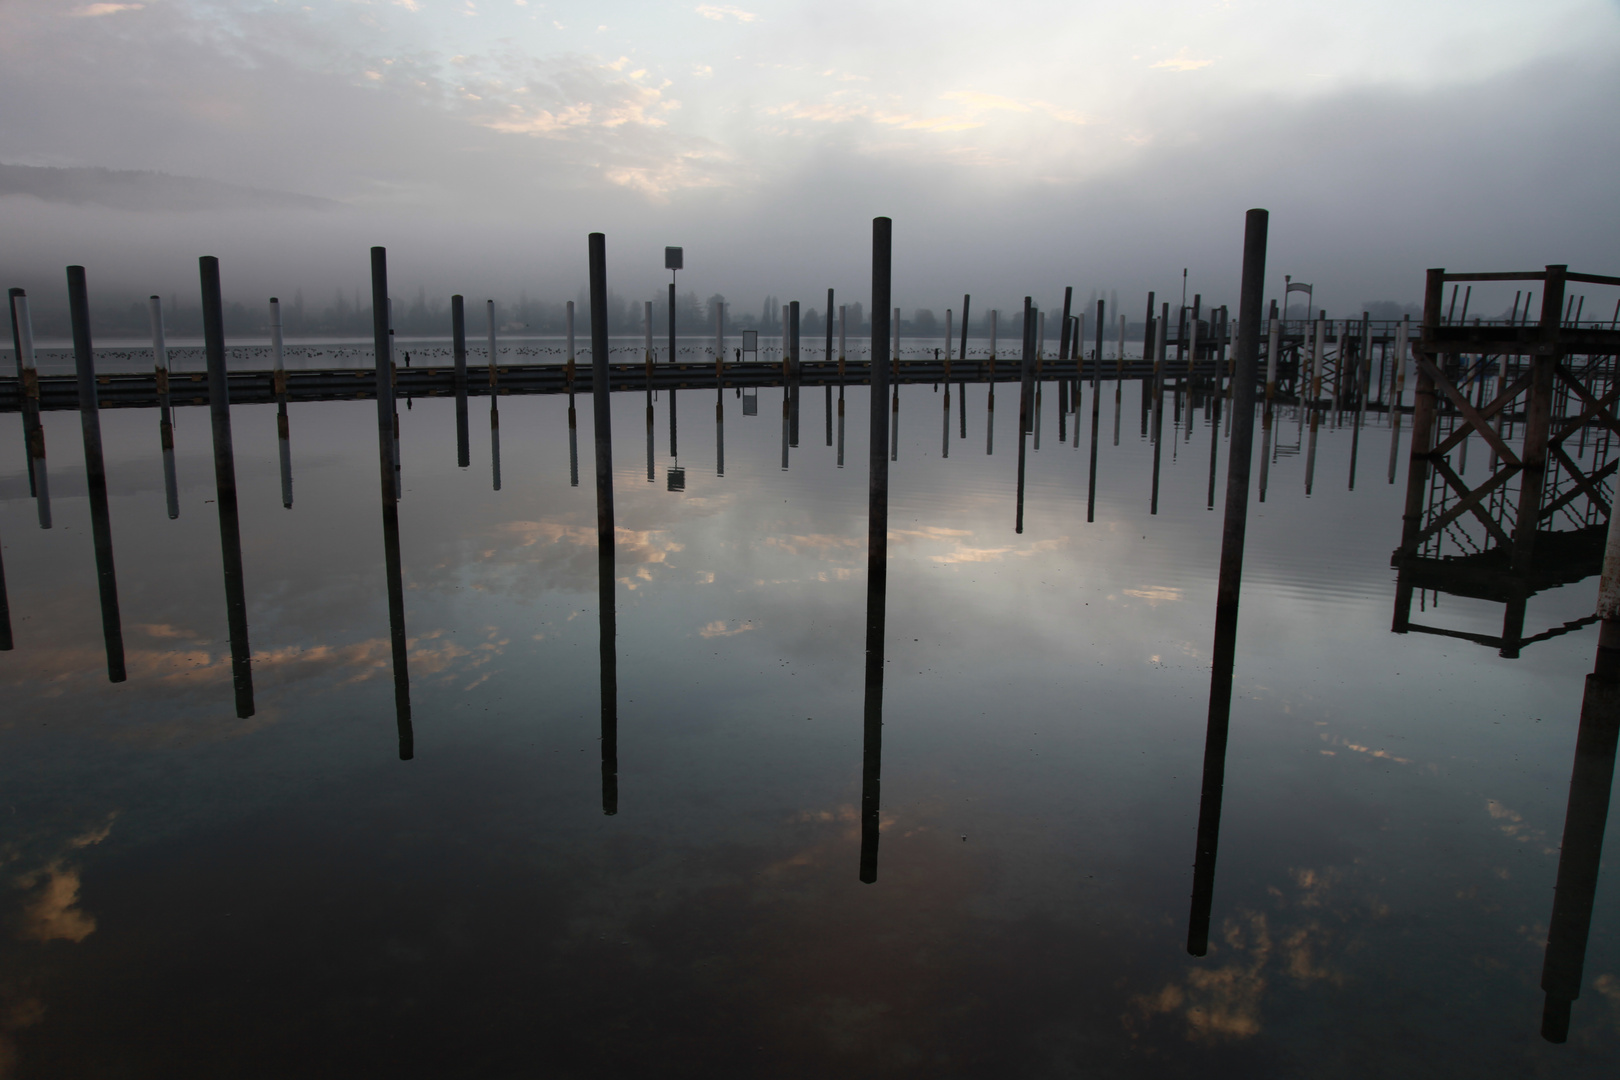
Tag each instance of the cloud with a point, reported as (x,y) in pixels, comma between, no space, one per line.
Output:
(719,13)
(91,11)
(1181,62)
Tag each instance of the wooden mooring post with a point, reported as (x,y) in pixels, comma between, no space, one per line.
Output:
(230,527)
(1229,584)
(602,409)
(389,472)
(877,552)
(95,472)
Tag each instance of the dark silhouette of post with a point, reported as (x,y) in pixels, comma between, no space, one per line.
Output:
(95,472)
(230,528)
(1229,585)
(458,337)
(1026,371)
(390,503)
(877,550)
(966,299)
(1590,783)
(1096,413)
(603,413)
(1066,337)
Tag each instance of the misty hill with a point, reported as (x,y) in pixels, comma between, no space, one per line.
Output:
(126,189)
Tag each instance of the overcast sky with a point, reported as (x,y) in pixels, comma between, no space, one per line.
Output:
(1019,147)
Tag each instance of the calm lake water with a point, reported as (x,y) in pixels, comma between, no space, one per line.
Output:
(190,893)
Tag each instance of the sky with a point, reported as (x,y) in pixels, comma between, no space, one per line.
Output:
(1019,147)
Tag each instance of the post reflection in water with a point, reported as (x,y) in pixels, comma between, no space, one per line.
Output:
(785,406)
(894,425)
(719,432)
(494,441)
(1228,587)
(95,472)
(945,434)
(602,408)
(230,529)
(389,470)
(877,556)
(840,427)
(1590,782)
(990,421)
(573,443)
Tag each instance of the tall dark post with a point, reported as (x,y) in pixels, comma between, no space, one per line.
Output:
(1026,385)
(1096,412)
(390,503)
(230,529)
(966,299)
(458,336)
(793,370)
(827,358)
(1068,331)
(1096,357)
(671,320)
(607,645)
(1228,587)
(95,472)
(877,549)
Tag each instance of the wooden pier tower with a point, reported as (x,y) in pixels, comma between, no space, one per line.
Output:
(1541,398)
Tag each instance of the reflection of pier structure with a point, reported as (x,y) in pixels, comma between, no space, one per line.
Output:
(1540,397)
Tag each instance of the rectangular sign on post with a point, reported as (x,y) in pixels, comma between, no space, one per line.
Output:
(673,259)
(750,342)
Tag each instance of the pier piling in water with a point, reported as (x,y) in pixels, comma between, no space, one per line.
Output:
(230,528)
(877,552)
(388,468)
(1229,584)
(95,472)
(602,410)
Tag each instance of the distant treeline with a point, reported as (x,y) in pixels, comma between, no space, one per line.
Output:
(349,315)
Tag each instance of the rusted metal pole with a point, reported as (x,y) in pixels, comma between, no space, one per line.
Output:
(605,554)
(95,472)
(1229,584)
(877,551)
